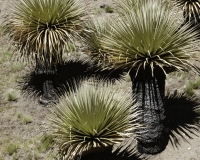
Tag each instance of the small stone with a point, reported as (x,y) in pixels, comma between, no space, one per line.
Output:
(189,148)
(102,6)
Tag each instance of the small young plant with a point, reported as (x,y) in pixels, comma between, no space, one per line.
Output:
(189,89)
(25,119)
(16,67)
(19,115)
(45,143)
(109,9)
(196,85)
(12,148)
(11,95)
(5,55)
(97,11)
(14,156)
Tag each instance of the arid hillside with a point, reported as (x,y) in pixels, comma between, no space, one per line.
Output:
(24,132)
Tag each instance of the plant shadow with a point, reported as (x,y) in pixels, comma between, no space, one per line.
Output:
(68,75)
(182,117)
(182,123)
(116,153)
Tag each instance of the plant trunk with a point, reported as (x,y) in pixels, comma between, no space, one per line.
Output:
(149,91)
(47,87)
(48,90)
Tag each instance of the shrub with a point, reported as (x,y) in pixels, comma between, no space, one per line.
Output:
(11,95)
(46,142)
(109,9)
(25,119)
(189,89)
(12,148)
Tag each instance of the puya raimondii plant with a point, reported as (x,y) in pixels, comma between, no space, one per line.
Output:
(147,41)
(41,29)
(96,114)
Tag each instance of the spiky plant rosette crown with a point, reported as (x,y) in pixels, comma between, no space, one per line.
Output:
(191,8)
(150,37)
(95,115)
(92,34)
(42,28)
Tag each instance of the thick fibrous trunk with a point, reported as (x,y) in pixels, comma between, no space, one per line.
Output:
(48,87)
(149,93)
(48,90)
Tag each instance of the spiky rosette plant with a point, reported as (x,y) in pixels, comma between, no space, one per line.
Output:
(41,29)
(149,37)
(92,34)
(97,114)
(149,43)
(191,9)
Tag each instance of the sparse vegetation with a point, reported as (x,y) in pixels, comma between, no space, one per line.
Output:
(33,155)
(189,90)
(97,11)
(11,95)
(14,156)
(17,66)
(191,86)
(25,119)
(12,148)
(45,143)
(109,9)
(5,55)
(40,146)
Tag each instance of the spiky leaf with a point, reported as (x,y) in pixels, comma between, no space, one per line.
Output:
(95,115)
(150,37)
(93,32)
(191,8)
(126,6)
(42,28)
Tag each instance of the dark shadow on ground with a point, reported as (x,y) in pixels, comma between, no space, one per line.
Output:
(182,122)
(68,74)
(108,154)
(183,117)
